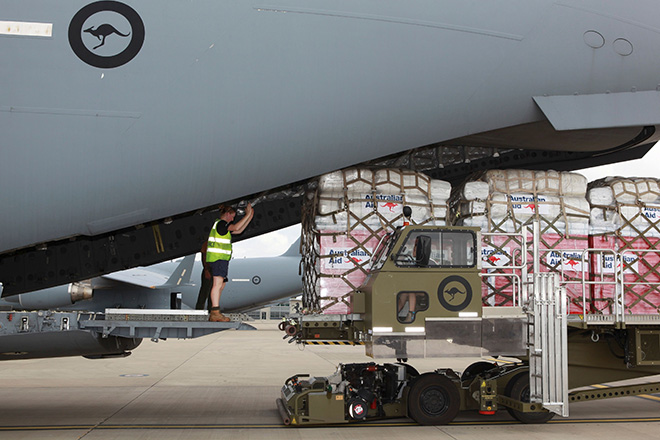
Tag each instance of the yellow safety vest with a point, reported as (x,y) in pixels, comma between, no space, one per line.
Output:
(219,246)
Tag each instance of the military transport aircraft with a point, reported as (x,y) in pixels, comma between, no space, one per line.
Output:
(170,285)
(122,123)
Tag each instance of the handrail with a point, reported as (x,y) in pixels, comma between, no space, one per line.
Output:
(586,276)
(517,282)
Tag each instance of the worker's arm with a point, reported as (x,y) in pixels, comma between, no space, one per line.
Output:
(238,227)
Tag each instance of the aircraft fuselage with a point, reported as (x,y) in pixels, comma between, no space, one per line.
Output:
(134,111)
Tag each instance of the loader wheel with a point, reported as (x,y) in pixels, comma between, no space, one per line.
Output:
(476,369)
(411,371)
(518,388)
(433,400)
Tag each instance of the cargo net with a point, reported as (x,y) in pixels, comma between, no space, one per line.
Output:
(344,219)
(625,225)
(503,203)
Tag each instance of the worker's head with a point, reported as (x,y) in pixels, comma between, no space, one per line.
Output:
(227,213)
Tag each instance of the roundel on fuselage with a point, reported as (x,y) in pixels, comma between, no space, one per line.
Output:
(106,34)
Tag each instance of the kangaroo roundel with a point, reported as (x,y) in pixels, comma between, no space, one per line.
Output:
(106,34)
(455,293)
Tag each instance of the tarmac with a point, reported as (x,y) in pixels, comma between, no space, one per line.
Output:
(224,385)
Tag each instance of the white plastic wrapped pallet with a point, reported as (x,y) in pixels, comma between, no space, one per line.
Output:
(536,182)
(475,191)
(626,206)
(354,208)
(509,198)
(503,201)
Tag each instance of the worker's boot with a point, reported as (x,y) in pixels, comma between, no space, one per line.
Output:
(216,316)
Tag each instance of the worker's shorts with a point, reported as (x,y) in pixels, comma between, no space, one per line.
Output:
(220,268)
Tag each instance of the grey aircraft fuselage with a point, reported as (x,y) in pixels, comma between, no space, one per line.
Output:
(114,114)
(252,282)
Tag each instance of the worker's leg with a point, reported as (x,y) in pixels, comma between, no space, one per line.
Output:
(400,303)
(412,307)
(204,291)
(216,290)
(219,272)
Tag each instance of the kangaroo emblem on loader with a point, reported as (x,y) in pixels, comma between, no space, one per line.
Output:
(452,292)
(103,31)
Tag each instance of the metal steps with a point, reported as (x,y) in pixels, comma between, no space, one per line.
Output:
(548,344)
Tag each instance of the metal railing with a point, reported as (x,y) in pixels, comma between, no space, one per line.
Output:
(604,276)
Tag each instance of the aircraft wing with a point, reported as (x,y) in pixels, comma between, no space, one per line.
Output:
(138,276)
(143,277)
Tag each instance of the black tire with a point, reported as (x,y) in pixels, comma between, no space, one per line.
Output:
(476,369)
(433,400)
(518,389)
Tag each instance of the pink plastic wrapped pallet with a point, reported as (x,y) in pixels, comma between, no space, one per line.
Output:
(343,266)
(625,223)
(639,263)
(505,201)
(344,219)
(558,253)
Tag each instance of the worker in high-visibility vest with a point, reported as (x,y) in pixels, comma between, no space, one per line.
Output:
(218,253)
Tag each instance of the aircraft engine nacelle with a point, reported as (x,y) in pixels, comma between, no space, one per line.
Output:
(59,344)
(54,297)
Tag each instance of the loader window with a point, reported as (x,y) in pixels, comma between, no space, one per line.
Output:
(429,248)
(458,249)
(409,303)
(382,251)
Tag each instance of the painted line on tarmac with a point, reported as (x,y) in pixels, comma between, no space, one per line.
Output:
(343,425)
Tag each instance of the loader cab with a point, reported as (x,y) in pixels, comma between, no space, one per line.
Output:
(437,248)
(420,275)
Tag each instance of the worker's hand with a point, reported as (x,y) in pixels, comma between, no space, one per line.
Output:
(207,274)
(248,208)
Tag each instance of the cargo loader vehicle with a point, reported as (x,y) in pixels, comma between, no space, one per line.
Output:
(422,299)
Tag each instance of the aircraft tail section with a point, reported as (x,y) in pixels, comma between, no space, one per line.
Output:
(181,274)
(294,249)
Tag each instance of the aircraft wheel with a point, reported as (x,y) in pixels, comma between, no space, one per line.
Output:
(518,388)
(433,400)
(476,369)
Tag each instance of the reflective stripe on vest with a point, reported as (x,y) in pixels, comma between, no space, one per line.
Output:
(219,246)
